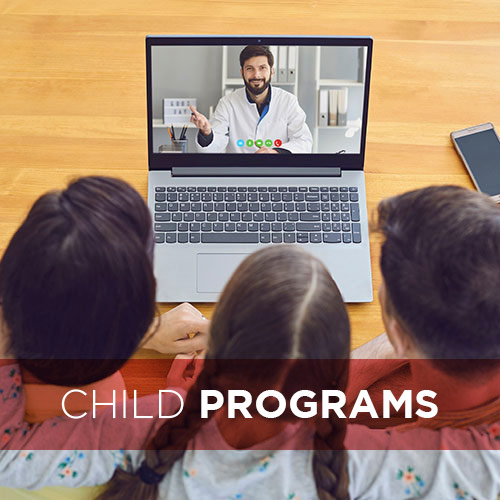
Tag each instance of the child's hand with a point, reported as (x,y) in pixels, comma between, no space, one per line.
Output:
(184,371)
(183,329)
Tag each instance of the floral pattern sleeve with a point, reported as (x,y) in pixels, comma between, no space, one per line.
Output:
(62,451)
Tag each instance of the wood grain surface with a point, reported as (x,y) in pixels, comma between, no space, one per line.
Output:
(73,92)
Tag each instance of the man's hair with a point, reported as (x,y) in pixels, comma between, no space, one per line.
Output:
(254,51)
(441,265)
(76,281)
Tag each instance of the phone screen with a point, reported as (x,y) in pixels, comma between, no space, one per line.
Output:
(481,151)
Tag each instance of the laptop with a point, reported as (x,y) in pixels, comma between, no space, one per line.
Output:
(256,141)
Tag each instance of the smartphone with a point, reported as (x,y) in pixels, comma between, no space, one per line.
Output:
(479,148)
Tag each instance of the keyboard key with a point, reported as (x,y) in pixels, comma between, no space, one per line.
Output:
(181,189)
(264,227)
(302,237)
(219,207)
(334,189)
(208,207)
(325,207)
(241,197)
(344,197)
(171,197)
(182,226)
(289,226)
(292,189)
(206,197)
(313,189)
(234,217)
(253,227)
(206,226)
(162,217)
(171,189)
(270,217)
(325,197)
(343,190)
(253,207)
(293,217)
(315,237)
(184,207)
(241,227)
(300,207)
(229,197)
(298,197)
(323,189)
(265,207)
(277,226)
(353,189)
(177,217)
(218,227)
(229,227)
(313,207)
(331,238)
(344,207)
(195,197)
(273,189)
(160,196)
(218,197)
(194,226)
(170,237)
(336,226)
(201,189)
(334,197)
(356,227)
(212,189)
(356,237)
(242,189)
(246,217)
(281,217)
(191,189)
(355,212)
(310,217)
(231,207)
(346,237)
(265,238)
(288,207)
(229,238)
(282,189)
(287,196)
(165,226)
(160,189)
(195,207)
(160,207)
(307,226)
(223,217)
(326,227)
(277,207)
(302,189)
(159,237)
(252,189)
(335,207)
(289,237)
(354,197)
(252,197)
(195,237)
(262,189)
(212,217)
(325,217)
(258,217)
(346,227)
(183,197)
(312,197)
(172,207)
(263,197)
(232,189)
(276,237)
(336,217)
(182,237)
(346,217)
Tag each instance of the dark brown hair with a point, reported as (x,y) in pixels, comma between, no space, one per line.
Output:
(441,266)
(76,281)
(254,51)
(280,304)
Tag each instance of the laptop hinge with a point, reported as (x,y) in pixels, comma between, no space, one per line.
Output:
(256,172)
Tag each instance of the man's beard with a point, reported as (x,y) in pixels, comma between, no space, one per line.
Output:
(259,90)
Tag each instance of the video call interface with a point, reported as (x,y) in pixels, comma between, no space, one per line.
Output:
(258,99)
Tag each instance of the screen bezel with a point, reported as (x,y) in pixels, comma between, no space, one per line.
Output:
(159,161)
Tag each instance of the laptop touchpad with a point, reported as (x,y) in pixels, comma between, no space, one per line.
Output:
(214,269)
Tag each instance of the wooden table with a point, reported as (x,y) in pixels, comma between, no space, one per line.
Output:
(73,93)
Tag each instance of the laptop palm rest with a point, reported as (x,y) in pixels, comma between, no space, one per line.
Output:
(213,270)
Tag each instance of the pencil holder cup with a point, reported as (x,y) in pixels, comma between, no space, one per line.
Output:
(180,145)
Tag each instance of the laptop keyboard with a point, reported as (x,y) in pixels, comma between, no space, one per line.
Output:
(252,214)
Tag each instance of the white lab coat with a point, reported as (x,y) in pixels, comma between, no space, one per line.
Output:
(236,118)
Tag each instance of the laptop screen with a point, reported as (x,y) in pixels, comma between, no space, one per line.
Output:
(267,103)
